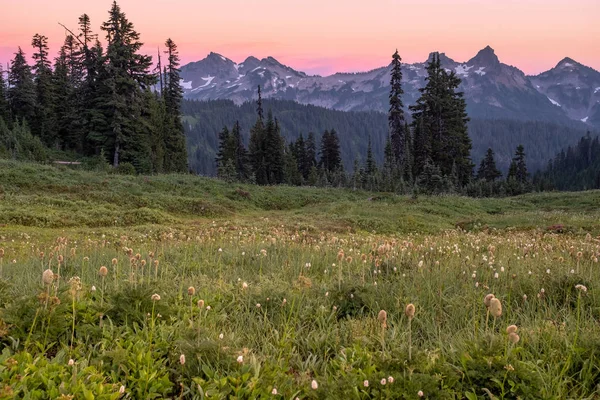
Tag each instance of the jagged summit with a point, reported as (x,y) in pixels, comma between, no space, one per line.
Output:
(485,57)
(570,91)
(567,62)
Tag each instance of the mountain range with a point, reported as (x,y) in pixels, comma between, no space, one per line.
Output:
(569,93)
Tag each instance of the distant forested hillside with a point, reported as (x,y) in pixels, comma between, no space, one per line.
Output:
(203,121)
(574,168)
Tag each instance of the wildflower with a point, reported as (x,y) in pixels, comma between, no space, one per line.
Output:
(221,336)
(487,299)
(86,259)
(511,329)
(581,288)
(366,383)
(71,362)
(244,285)
(155,297)
(496,275)
(383,381)
(191,291)
(390,379)
(208,308)
(513,337)
(200,304)
(524,297)
(314,385)
(284,302)
(420,263)
(572,271)
(114,261)
(263,252)
(420,393)
(410,311)
(240,359)
(122,389)
(93,288)
(509,367)
(103,271)
(382,317)
(47,277)
(548,271)
(182,359)
(274,391)
(495,307)
(220,250)
(257,305)
(326,294)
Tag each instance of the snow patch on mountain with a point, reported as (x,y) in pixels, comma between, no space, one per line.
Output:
(463,69)
(597,90)
(480,71)
(556,103)
(186,85)
(584,119)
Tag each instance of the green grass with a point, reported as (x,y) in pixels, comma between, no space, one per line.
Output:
(301,252)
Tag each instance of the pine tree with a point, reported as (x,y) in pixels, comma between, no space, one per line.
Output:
(259,107)
(521,175)
(62,108)
(370,165)
(330,152)
(274,151)
(310,159)
(440,125)
(225,153)
(176,153)
(127,75)
(43,124)
(487,169)
(257,152)
(396,111)
(4,106)
(21,91)
(240,153)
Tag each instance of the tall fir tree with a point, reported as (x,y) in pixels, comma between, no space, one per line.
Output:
(240,153)
(330,152)
(396,112)
(127,75)
(21,90)
(4,105)
(440,125)
(487,168)
(43,124)
(256,147)
(176,153)
(259,106)
(274,151)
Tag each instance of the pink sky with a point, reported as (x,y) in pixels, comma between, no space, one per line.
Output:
(324,36)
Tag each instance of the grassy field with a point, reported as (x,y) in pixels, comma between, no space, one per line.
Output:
(184,287)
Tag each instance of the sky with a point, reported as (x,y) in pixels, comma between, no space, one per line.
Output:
(327,36)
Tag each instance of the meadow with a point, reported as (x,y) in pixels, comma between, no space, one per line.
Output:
(175,286)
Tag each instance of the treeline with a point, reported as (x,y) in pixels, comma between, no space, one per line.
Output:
(95,101)
(203,120)
(430,155)
(576,168)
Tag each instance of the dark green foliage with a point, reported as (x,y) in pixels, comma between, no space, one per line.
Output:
(21,92)
(43,124)
(576,168)
(396,112)
(487,169)
(440,125)
(331,159)
(4,106)
(175,148)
